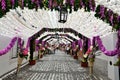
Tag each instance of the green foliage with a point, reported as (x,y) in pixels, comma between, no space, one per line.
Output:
(46,3)
(30,4)
(97,10)
(8,5)
(117,63)
(59,2)
(76,5)
(16,3)
(23,56)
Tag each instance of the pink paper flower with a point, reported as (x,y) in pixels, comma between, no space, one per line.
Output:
(25,52)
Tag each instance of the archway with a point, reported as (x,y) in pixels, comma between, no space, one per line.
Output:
(65,30)
(99,15)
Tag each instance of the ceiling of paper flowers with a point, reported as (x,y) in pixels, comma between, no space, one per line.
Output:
(19,22)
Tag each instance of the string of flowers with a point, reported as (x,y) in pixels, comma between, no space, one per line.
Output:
(47,4)
(89,43)
(73,44)
(103,49)
(8,48)
(97,40)
(23,51)
(80,43)
(114,52)
(12,43)
(12,3)
(3,4)
(108,16)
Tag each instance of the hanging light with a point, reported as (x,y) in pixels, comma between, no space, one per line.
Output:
(63,14)
(56,35)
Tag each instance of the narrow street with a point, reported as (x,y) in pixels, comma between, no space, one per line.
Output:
(58,66)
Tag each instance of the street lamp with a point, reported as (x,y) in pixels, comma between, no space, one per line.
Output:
(63,14)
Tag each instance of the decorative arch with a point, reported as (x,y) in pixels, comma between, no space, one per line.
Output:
(52,36)
(65,30)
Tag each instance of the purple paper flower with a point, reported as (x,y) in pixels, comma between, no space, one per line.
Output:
(22,4)
(8,48)
(33,0)
(90,4)
(3,4)
(111,19)
(80,43)
(102,9)
(72,2)
(50,4)
(89,43)
(81,3)
(12,3)
(28,42)
(118,18)
(102,48)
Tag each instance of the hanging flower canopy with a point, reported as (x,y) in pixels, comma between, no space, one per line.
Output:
(6,5)
(19,16)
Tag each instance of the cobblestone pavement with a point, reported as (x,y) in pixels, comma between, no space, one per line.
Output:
(59,66)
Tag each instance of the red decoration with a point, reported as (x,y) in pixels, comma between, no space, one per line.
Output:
(84,64)
(41,56)
(75,57)
(32,62)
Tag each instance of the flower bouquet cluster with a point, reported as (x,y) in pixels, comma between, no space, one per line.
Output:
(83,59)
(6,5)
(23,53)
(91,57)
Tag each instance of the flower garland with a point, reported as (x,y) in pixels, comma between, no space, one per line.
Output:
(8,48)
(80,43)
(23,51)
(6,5)
(108,16)
(114,52)
(12,43)
(89,43)
(102,12)
(103,49)
(3,4)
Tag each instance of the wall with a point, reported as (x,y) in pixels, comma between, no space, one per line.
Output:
(103,62)
(6,63)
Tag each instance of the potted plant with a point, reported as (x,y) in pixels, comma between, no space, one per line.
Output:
(75,50)
(84,62)
(91,59)
(82,58)
(21,55)
(41,51)
(32,62)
